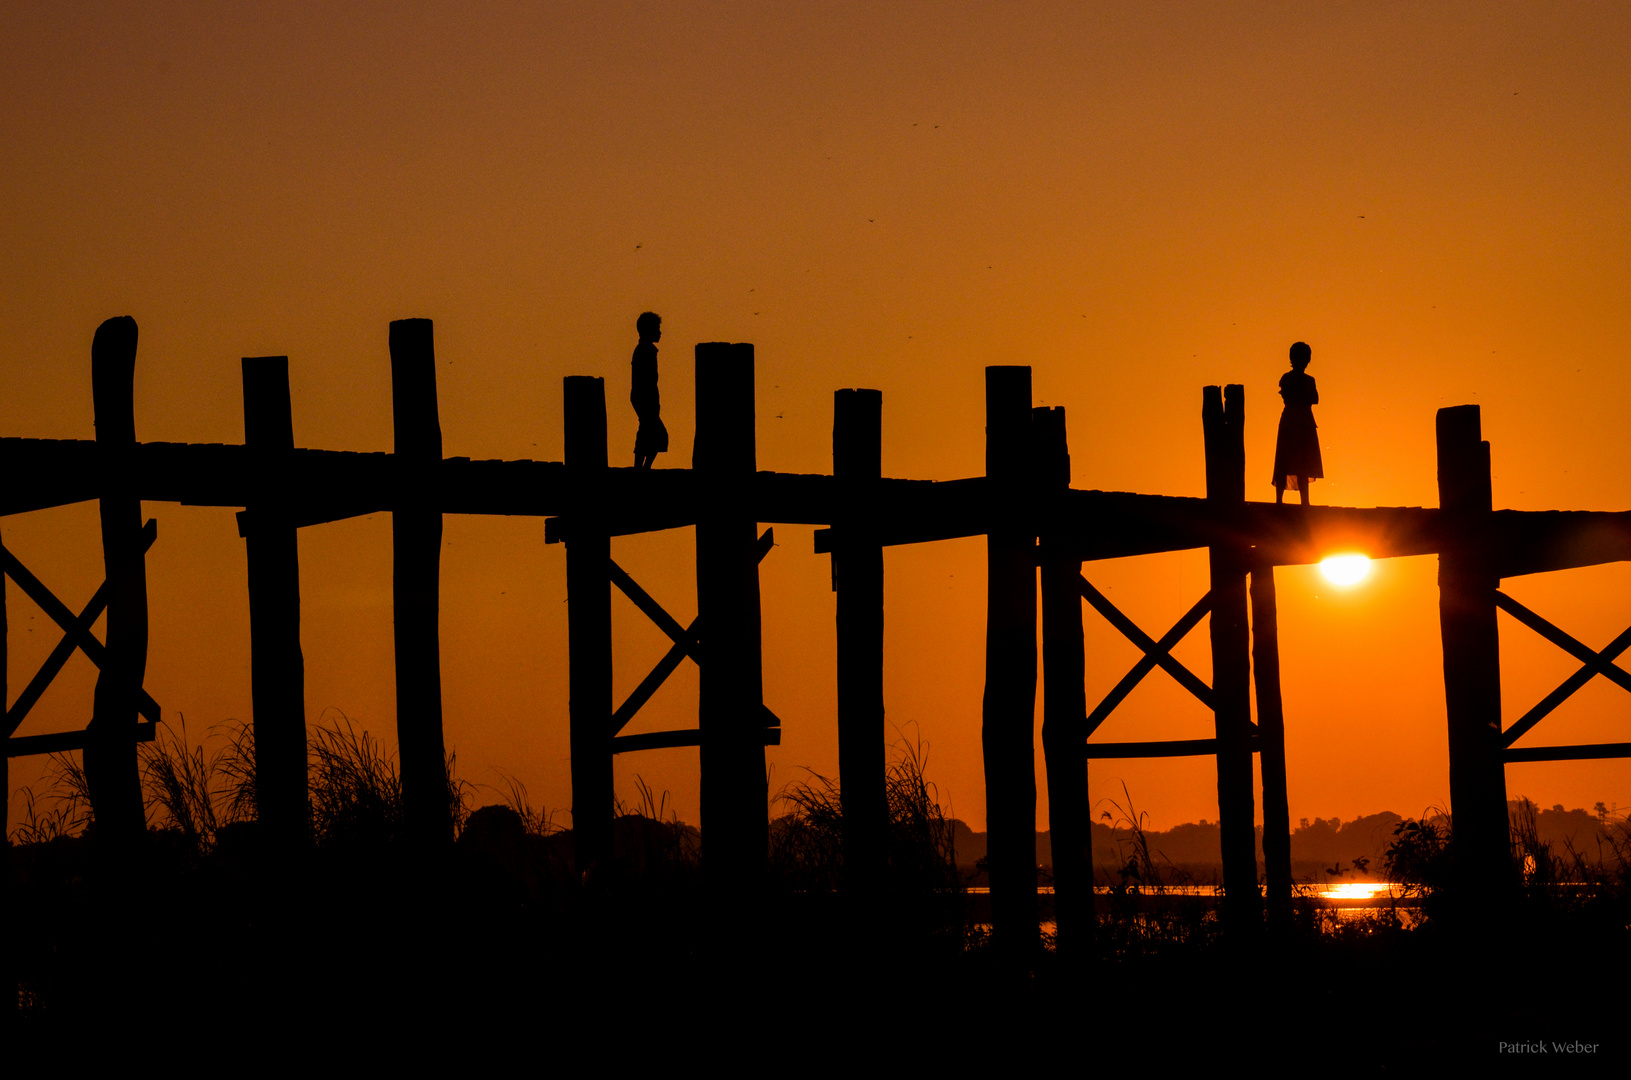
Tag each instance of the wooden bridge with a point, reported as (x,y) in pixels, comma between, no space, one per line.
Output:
(1035,523)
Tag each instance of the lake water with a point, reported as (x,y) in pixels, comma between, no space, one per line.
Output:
(1338,893)
(1345,900)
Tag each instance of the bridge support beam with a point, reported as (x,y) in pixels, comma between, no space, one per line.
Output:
(857,449)
(734,791)
(1009,709)
(1223,416)
(110,746)
(277,668)
(1472,659)
(588,622)
(1271,741)
(1064,697)
(416,547)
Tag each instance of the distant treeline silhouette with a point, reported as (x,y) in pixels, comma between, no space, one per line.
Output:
(1193,848)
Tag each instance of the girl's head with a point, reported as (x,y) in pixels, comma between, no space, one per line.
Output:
(650,326)
(1300,355)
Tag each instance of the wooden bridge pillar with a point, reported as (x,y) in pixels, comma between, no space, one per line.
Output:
(276,664)
(1064,696)
(1271,741)
(1009,709)
(8,948)
(1223,416)
(589,622)
(734,792)
(857,451)
(416,544)
(110,746)
(1472,657)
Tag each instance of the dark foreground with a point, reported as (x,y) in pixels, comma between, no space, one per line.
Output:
(494,951)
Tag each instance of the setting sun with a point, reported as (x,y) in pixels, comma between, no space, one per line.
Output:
(1345,570)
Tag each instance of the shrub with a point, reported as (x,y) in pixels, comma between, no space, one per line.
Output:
(1418,859)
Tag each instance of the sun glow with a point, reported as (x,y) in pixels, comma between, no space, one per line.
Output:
(1345,570)
(1356,890)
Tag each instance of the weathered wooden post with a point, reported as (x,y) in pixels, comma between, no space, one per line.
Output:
(8,948)
(1009,710)
(1472,659)
(1271,741)
(110,746)
(734,791)
(1064,696)
(277,668)
(857,452)
(589,622)
(416,545)
(1223,415)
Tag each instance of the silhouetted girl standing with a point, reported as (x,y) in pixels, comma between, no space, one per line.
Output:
(1297,450)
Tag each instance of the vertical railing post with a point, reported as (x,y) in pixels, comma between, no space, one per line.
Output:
(416,545)
(1064,695)
(277,668)
(1223,420)
(734,791)
(857,451)
(1467,580)
(1271,741)
(1009,709)
(589,622)
(110,747)
(8,948)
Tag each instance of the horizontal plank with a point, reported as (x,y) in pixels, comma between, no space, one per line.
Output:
(1583,752)
(1118,524)
(42,473)
(1540,541)
(658,740)
(59,742)
(1160,748)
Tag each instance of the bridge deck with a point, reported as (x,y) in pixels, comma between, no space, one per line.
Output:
(331,485)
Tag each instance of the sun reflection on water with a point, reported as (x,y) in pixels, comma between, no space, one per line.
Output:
(1355,890)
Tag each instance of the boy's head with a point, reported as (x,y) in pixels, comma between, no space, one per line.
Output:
(650,326)
(1301,354)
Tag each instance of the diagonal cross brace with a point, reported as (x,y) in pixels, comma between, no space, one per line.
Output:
(70,641)
(685,638)
(76,632)
(653,610)
(665,667)
(1593,663)
(1155,652)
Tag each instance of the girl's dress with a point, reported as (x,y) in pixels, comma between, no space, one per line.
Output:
(1297,449)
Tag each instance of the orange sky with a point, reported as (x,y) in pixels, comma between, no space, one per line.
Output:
(1136,200)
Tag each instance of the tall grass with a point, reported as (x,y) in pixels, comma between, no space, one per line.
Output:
(67,809)
(651,847)
(1140,869)
(1571,881)
(534,821)
(193,791)
(354,790)
(922,843)
(62,813)
(806,843)
(1143,919)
